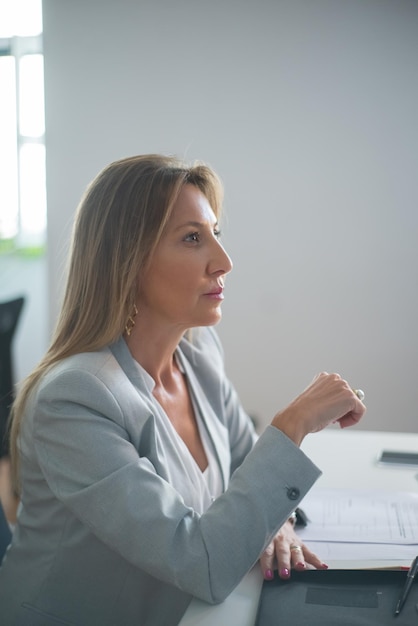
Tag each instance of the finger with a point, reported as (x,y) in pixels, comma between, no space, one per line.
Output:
(352,417)
(297,557)
(357,410)
(283,558)
(348,420)
(267,562)
(312,559)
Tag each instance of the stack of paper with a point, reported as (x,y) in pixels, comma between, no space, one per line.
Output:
(347,524)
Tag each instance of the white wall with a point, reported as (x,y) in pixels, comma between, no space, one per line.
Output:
(308,110)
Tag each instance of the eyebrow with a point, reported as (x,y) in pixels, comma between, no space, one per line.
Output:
(195,225)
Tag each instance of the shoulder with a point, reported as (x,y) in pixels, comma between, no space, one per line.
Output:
(97,379)
(80,365)
(80,378)
(111,364)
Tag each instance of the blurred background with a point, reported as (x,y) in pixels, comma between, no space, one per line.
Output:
(307,109)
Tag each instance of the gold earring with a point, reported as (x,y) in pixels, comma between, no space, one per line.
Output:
(131,321)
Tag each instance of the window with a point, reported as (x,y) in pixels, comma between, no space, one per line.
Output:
(22,127)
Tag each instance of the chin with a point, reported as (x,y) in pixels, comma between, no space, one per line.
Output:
(215,319)
(208,320)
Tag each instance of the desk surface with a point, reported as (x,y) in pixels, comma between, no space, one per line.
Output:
(347,458)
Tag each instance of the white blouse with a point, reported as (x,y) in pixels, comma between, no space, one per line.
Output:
(198,489)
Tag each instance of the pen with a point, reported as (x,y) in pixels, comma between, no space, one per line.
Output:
(408,584)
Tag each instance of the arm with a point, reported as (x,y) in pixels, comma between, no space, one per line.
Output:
(327,398)
(92,467)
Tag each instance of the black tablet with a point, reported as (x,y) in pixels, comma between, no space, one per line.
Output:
(337,598)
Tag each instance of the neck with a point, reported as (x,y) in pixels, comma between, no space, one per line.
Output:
(155,352)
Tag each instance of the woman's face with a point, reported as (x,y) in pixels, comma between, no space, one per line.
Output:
(183,286)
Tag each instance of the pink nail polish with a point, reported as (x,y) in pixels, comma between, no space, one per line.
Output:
(300,565)
(284,573)
(269,574)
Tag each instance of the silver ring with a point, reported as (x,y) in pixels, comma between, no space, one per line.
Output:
(360,394)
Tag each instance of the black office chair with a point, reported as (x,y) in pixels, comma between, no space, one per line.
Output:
(9,316)
(5,533)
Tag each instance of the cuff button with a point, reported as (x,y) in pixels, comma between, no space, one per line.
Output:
(293,493)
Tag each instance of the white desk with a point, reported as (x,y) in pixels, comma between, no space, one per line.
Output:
(347,458)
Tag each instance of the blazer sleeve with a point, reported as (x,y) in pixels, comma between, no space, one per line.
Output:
(92,468)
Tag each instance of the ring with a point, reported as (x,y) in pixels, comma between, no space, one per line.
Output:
(295,548)
(360,394)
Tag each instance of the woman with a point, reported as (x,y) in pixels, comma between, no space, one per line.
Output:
(142,483)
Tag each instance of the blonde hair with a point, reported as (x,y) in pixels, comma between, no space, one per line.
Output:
(118,224)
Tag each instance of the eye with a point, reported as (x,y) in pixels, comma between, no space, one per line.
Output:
(193,237)
(217,232)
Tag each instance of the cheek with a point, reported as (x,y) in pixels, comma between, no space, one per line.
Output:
(168,282)
(172,275)
(177,272)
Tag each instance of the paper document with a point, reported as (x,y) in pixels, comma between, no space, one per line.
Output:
(361,552)
(361,516)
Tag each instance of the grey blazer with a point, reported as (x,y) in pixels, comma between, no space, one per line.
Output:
(103,536)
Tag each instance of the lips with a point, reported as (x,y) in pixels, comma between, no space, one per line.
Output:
(216,292)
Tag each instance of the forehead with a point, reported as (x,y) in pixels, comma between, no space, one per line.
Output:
(191,205)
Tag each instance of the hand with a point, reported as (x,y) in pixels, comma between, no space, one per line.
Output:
(328,399)
(279,554)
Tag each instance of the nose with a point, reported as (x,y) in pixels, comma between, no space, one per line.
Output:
(221,262)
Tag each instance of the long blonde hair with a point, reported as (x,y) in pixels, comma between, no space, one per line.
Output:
(118,224)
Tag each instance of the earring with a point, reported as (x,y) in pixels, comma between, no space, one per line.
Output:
(131,321)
